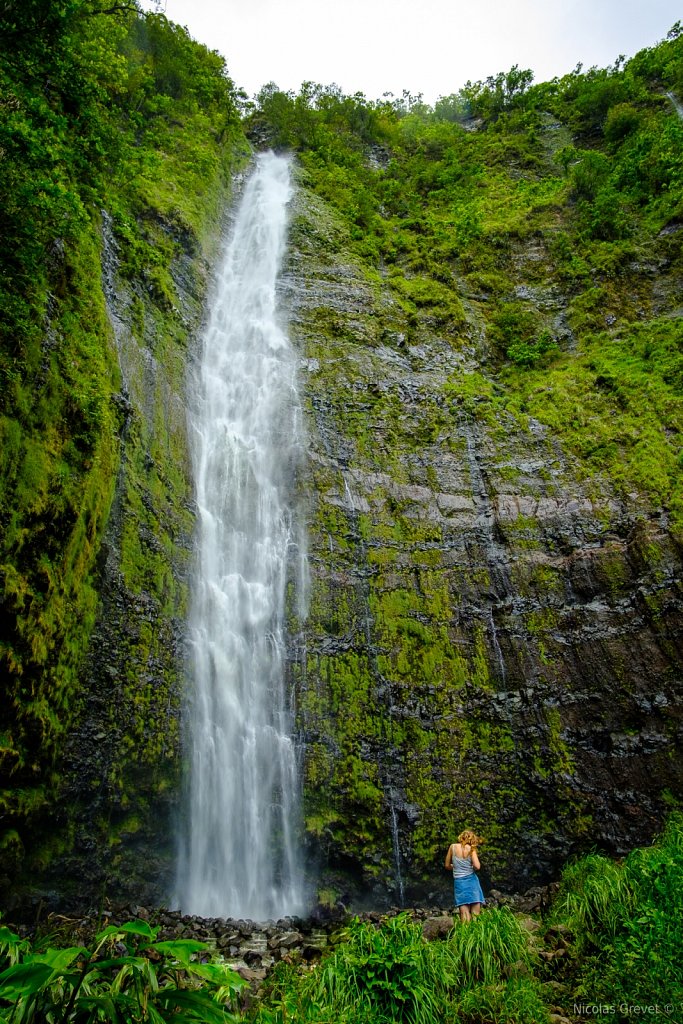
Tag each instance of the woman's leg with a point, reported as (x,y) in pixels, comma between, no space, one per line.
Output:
(476,909)
(464,912)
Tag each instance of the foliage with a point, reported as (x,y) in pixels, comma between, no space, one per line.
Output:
(623,921)
(101,108)
(390,973)
(594,896)
(627,922)
(127,976)
(520,338)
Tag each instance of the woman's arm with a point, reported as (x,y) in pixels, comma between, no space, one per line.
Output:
(475,860)
(449,858)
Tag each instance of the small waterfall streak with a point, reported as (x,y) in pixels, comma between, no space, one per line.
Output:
(676,104)
(496,646)
(395,842)
(238,855)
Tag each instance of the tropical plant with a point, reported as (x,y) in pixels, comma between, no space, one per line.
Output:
(385,973)
(484,953)
(127,977)
(594,898)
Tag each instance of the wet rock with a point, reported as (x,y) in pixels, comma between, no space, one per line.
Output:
(252,958)
(529,924)
(518,969)
(253,976)
(311,953)
(436,927)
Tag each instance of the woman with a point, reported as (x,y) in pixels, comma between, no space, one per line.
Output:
(463,860)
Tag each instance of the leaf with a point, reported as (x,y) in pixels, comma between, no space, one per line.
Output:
(218,974)
(179,949)
(154,1015)
(24,980)
(141,928)
(103,1003)
(118,962)
(58,959)
(197,1006)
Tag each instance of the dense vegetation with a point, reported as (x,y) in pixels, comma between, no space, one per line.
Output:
(590,168)
(105,116)
(612,940)
(614,934)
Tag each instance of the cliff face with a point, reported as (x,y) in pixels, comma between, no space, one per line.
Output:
(102,290)
(486,302)
(494,638)
(120,774)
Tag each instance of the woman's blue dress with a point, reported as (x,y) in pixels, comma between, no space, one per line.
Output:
(466,886)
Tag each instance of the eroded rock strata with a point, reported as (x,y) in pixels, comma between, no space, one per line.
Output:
(494,637)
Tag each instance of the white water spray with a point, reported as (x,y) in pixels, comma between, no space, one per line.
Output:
(238,856)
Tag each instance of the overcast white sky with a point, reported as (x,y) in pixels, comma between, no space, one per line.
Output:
(426,46)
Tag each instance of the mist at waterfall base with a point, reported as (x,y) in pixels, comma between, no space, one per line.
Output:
(238,850)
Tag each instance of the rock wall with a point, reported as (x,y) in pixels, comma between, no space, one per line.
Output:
(494,633)
(111,830)
(494,636)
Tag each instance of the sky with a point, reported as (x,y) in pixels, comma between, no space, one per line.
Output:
(430,47)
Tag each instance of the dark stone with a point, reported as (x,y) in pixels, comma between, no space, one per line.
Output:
(436,927)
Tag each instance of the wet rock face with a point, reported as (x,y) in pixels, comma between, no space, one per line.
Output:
(112,825)
(494,638)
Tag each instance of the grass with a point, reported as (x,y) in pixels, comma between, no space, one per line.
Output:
(623,939)
(390,973)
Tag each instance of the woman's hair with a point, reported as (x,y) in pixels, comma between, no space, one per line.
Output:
(469,838)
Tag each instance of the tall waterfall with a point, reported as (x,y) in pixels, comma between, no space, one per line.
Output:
(238,855)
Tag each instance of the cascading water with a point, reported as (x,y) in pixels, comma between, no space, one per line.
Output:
(238,853)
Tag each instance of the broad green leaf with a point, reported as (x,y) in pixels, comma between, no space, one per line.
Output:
(23,980)
(179,949)
(218,974)
(118,962)
(197,1005)
(111,929)
(139,928)
(58,959)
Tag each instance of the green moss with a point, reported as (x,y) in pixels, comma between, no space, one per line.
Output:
(58,493)
(159,163)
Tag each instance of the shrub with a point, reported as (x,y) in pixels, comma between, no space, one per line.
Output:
(127,976)
(628,923)
(483,953)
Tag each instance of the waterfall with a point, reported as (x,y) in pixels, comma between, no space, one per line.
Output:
(396,847)
(676,104)
(238,849)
